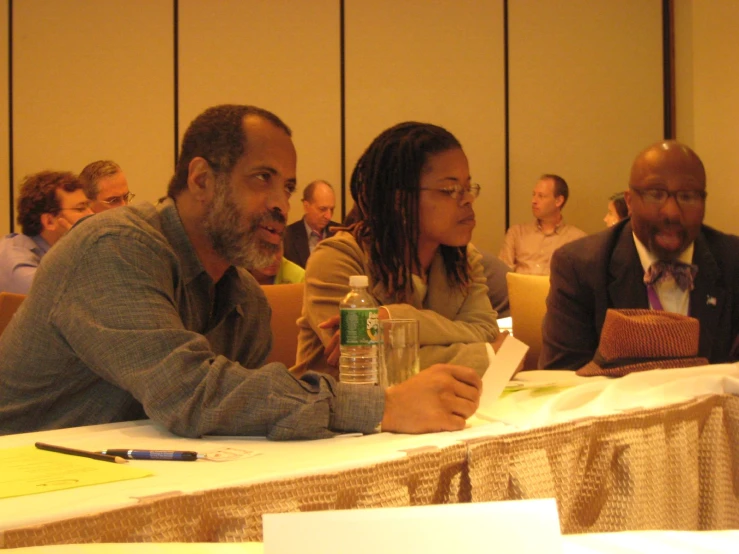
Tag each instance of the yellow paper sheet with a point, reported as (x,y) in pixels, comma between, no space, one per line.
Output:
(28,470)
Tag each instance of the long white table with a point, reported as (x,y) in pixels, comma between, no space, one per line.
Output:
(653,450)
(644,542)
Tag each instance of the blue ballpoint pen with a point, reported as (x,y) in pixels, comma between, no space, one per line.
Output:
(171,455)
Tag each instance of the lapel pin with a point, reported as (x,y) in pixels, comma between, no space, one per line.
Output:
(710,300)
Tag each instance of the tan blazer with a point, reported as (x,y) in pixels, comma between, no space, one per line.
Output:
(454,324)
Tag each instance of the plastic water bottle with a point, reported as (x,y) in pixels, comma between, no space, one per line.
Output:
(360,333)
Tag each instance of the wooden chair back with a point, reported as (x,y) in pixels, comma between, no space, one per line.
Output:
(286,302)
(9,303)
(527,295)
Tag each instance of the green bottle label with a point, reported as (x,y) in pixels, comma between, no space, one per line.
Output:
(359,327)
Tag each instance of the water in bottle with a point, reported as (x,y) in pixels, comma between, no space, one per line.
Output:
(360,333)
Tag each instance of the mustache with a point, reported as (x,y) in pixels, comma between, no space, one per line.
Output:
(272,216)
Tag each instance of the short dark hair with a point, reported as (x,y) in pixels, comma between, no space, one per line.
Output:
(310,189)
(385,187)
(93,172)
(38,196)
(620,204)
(218,136)
(560,186)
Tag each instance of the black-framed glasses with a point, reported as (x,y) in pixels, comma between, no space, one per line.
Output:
(457,191)
(119,200)
(684,198)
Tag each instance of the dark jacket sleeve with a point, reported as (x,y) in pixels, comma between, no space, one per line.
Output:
(569,336)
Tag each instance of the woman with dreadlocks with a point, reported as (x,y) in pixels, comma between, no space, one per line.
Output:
(411,232)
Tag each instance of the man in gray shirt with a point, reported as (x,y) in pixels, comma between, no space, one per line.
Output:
(146,312)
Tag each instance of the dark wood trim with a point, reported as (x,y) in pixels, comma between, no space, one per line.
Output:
(506,96)
(668,67)
(11,173)
(176,72)
(342,103)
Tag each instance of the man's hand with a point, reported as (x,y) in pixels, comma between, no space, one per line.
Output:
(440,398)
(331,351)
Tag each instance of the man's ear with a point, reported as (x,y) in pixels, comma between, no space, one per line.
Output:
(559,201)
(48,222)
(627,198)
(200,178)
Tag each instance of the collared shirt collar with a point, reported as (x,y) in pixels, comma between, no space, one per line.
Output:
(309,230)
(173,229)
(41,243)
(192,267)
(557,228)
(647,258)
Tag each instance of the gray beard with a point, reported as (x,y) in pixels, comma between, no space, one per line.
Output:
(224,228)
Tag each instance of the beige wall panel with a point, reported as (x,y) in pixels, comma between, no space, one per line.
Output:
(281,55)
(715,108)
(585,98)
(5,184)
(94,80)
(440,62)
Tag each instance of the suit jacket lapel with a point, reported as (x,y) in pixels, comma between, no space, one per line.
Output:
(708,298)
(626,275)
(302,245)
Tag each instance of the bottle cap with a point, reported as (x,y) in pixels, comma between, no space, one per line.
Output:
(358,281)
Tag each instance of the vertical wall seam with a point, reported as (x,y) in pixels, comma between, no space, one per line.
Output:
(176,71)
(668,68)
(11,175)
(342,103)
(506,142)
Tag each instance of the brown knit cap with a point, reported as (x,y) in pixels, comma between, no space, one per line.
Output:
(638,340)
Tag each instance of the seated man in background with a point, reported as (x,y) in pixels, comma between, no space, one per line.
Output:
(146,311)
(528,247)
(280,271)
(105,185)
(663,258)
(302,237)
(50,202)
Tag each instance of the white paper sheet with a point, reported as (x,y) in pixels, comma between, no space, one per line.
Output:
(477,528)
(504,365)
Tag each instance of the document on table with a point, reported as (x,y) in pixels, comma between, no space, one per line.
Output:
(504,365)
(27,470)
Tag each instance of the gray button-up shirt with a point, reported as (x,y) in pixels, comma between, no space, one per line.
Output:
(123,322)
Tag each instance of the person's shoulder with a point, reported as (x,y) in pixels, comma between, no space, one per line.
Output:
(723,246)
(573,231)
(342,241)
(715,236)
(590,247)
(17,242)
(296,226)
(142,223)
(289,273)
(521,228)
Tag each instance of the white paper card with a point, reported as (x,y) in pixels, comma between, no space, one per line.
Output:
(504,365)
(511,527)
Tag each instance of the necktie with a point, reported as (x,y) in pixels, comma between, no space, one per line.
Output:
(682,273)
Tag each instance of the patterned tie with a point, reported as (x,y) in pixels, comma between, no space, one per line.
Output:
(682,273)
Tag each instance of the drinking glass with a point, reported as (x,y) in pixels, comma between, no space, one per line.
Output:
(399,358)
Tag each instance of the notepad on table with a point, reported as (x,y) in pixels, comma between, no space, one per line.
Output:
(27,470)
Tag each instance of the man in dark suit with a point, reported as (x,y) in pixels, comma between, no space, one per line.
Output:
(620,267)
(302,236)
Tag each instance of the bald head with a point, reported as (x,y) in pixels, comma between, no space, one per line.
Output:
(319,202)
(672,153)
(666,197)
